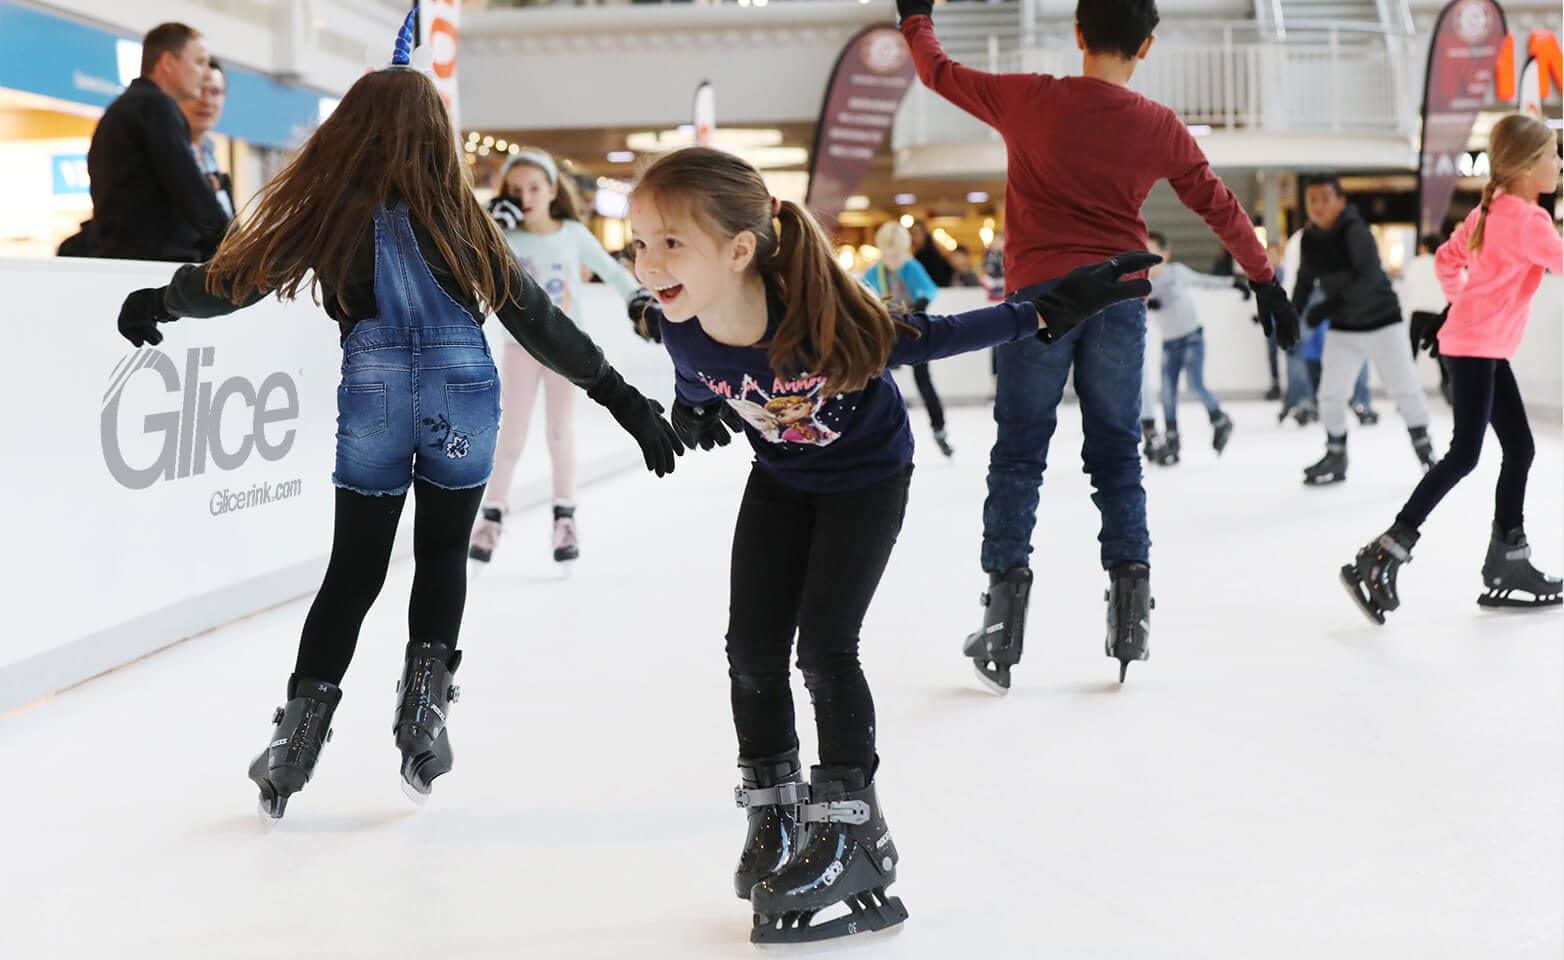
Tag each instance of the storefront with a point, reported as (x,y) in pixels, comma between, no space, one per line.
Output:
(58,74)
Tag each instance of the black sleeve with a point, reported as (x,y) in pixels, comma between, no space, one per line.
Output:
(546,333)
(186,295)
(1363,255)
(174,164)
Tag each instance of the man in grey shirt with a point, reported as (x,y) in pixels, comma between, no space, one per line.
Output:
(1183,346)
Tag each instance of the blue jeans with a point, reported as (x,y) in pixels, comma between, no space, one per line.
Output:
(1107,353)
(419,395)
(1185,354)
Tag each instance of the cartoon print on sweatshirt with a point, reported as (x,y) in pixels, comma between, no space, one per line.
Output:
(785,415)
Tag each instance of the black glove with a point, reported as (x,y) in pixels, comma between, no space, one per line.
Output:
(710,426)
(920,305)
(1425,330)
(1241,284)
(506,213)
(914,8)
(646,314)
(1153,304)
(1087,291)
(641,418)
(1277,317)
(140,314)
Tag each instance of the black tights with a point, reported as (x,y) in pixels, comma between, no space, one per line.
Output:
(1484,393)
(361,551)
(925,385)
(810,563)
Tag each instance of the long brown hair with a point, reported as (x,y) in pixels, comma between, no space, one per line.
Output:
(389,139)
(566,205)
(833,325)
(1516,143)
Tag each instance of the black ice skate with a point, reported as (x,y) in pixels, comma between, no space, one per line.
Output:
(301,729)
(1371,578)
(1367,415)
(1275,391)
(1507,571)
(1221,431)
(1151,441)
(1331,468)
(566,550)
(1423,447)
(845,856)
(424,698)
(486,535)
(1129,614)
(1170,449)
(942,441)
(997,647)
(770,790)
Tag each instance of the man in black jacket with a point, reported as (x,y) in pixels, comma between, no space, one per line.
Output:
(1340,255)
(149,199)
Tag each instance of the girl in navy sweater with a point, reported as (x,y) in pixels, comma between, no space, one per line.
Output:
(769,335)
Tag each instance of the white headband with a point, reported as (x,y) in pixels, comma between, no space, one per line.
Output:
(536,158)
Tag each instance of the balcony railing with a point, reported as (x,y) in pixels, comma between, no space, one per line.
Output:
(1228,76)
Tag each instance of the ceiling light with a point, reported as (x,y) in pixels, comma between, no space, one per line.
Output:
(488,141)
(500,144)
(857,202)
(907,220)
(515,148)
(906,199)
(621,156)
(977,196)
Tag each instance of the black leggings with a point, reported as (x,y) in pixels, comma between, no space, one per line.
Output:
(925,384)
(361,551)
(808,562)
(1482,392)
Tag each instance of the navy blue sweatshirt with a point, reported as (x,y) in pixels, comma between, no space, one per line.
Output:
(828,443)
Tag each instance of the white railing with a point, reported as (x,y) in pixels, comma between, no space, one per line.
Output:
(1229,76)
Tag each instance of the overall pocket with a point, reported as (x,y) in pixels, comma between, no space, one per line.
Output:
(361,410)
(472,410)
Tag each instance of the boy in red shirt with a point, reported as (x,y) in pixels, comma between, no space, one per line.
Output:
(1083,153)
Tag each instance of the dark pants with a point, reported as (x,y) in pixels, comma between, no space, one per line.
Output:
(1482,392)
(361,551)
(810,563)
(925,383)
(1108,355)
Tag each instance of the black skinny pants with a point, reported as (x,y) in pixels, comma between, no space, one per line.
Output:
(361,551)
(808,562)
(925,385)
(1482,392)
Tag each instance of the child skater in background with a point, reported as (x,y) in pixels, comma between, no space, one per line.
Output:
(376,209)
(537,211)
(1184,346)
(760,321)
(904,285)
(1490,269)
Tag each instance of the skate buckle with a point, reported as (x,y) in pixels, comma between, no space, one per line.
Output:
(453,693)
(783,794)
(277,716)
(854,812)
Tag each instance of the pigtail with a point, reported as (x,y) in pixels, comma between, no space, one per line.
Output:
(1474,243)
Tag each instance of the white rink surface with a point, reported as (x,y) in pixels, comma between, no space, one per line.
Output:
(1281,780)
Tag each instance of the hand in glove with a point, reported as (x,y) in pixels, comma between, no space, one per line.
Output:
(913,8)
(506,213)
(1087,291)
(140,314)
(641,418)
(710,426)
(1277,317)
(1425,331)
(646,314)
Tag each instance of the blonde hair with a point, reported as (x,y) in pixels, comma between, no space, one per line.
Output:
(1515,145)
(833,325)
(892,236)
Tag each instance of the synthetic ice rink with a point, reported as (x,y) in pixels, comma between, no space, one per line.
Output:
(1280,780)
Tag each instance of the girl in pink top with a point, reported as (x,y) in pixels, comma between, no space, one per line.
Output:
(1490,269)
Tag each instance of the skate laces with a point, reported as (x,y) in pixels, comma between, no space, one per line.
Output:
(564,532)
(486,535)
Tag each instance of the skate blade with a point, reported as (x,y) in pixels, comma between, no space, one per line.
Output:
(997,682)
(567,569)
(1331,480)
(870,911)
(270,811)
(1354,588)
(411,792)
(1503,600)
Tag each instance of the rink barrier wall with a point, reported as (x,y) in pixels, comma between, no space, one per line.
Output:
(110,559)
(155,494)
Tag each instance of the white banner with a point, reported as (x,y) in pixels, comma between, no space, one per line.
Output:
(440,27)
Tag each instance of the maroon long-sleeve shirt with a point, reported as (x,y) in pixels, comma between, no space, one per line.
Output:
(1083,154)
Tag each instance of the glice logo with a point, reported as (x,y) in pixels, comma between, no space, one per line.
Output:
(192,433)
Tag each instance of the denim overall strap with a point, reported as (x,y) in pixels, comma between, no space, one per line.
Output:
(424,303)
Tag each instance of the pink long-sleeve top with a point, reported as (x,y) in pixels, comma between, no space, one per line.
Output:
(1490,291)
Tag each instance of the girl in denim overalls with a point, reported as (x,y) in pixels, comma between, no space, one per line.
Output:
(376,210)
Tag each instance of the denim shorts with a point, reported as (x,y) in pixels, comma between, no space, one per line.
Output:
(416,403)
